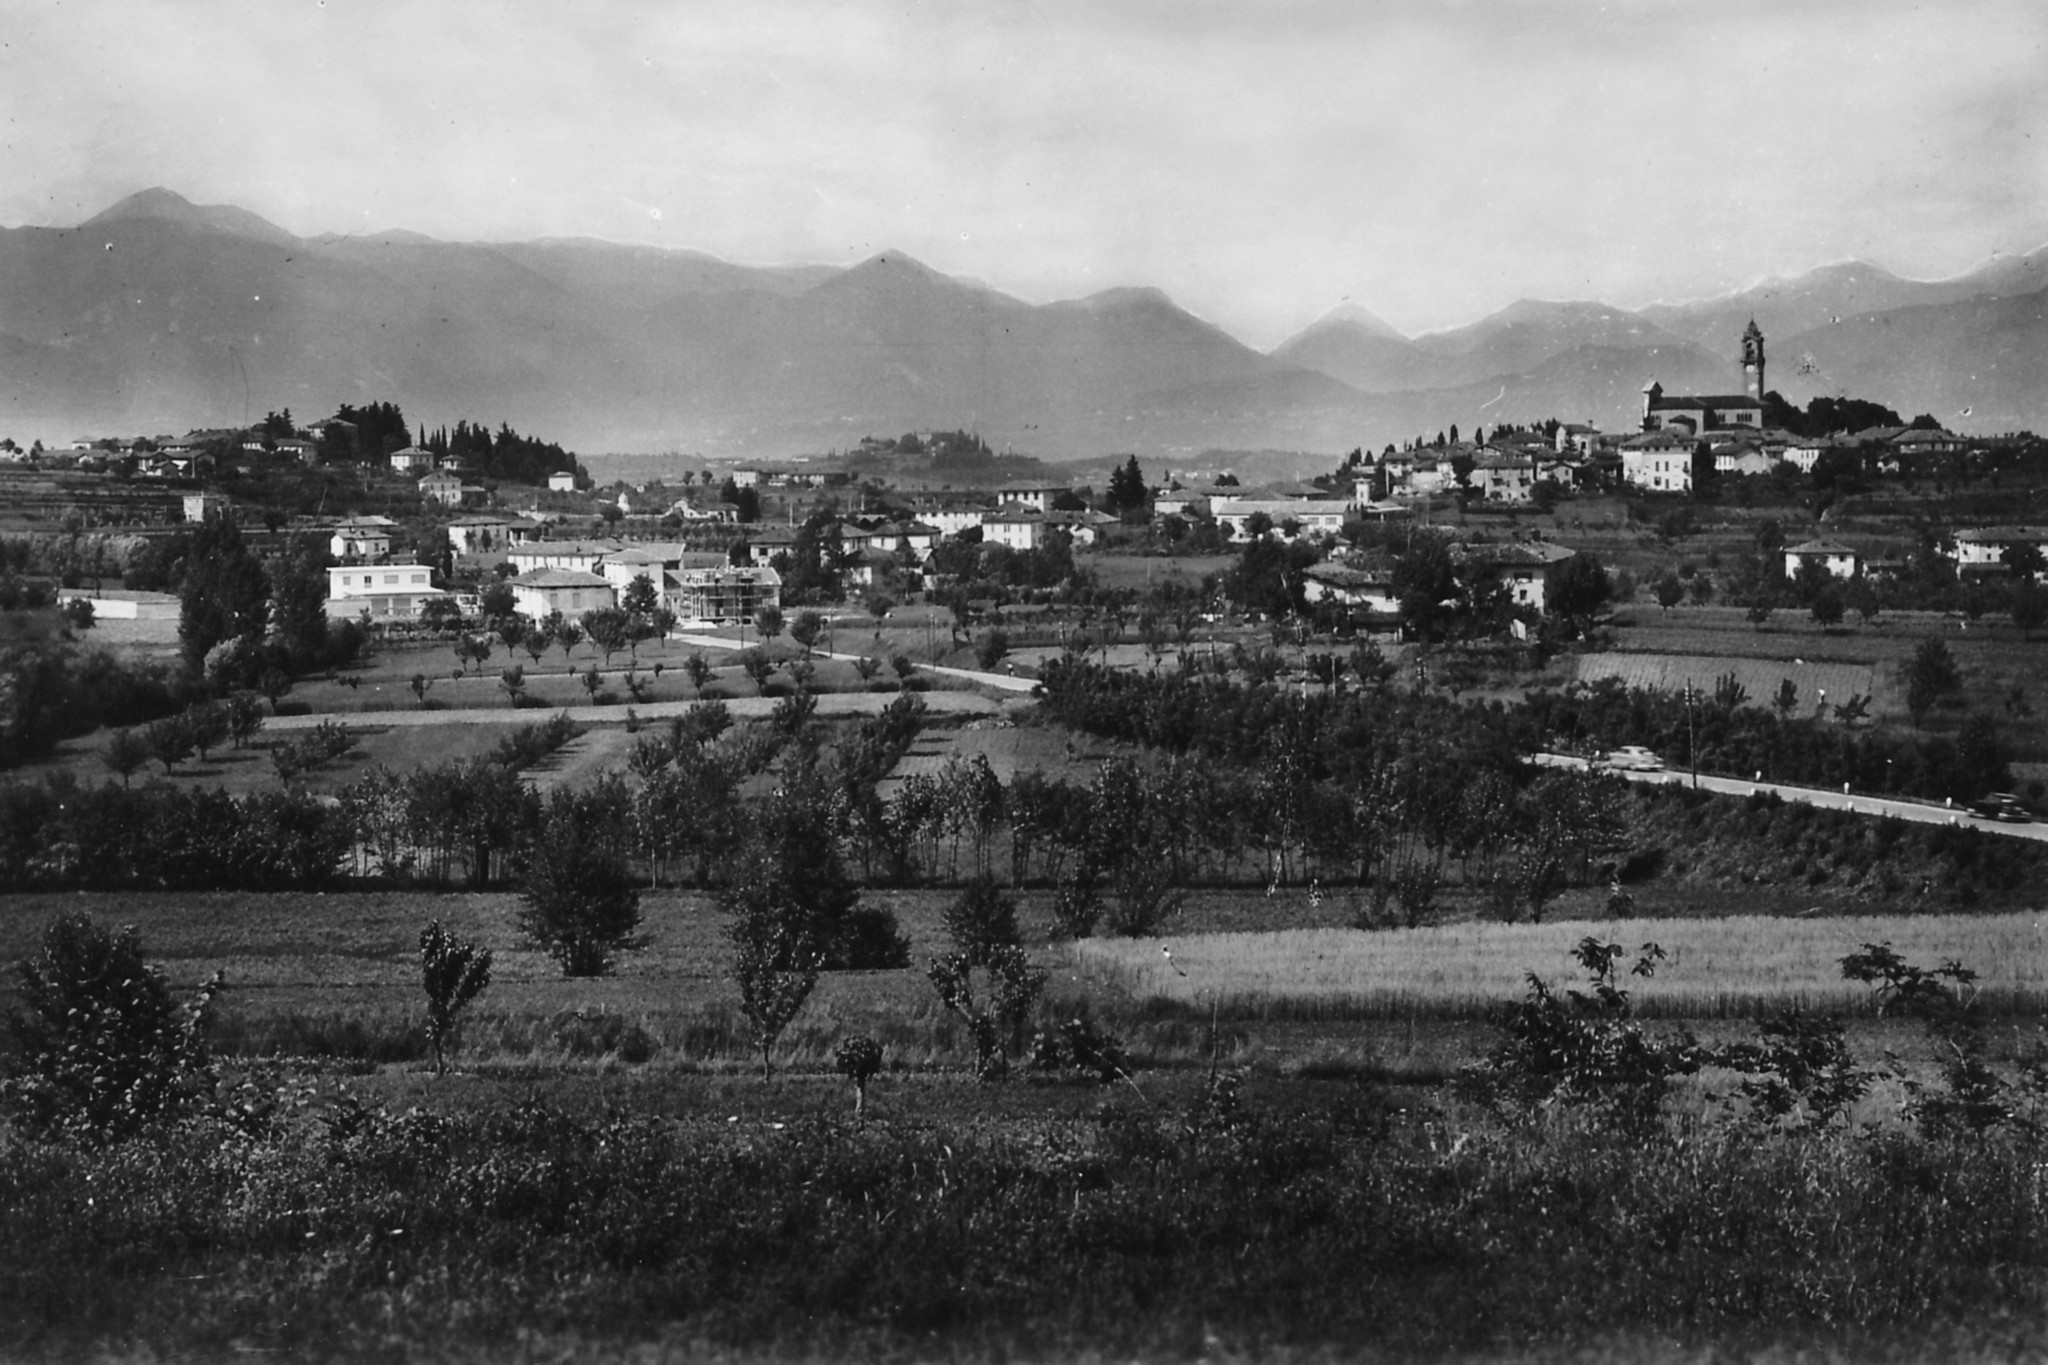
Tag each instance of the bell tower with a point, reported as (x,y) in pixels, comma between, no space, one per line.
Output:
(1753,362)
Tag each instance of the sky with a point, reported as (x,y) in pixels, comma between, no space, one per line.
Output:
(1262,163)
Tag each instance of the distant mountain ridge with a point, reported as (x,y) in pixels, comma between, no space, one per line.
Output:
(158,314)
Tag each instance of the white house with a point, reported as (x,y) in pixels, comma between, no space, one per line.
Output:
(542,592)
(1037,495)
(1312,517)
(1657,461)
(1367,589)
(577,556)
(1839,560)
(200,506)
(355,541)
(1985,545)
(562,481)
(1524,568)
(1017,526)
(412,460)
(443,488)
(382,592)
(1499,476)
(483,534)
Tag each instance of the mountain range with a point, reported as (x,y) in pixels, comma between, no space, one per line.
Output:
(160,315)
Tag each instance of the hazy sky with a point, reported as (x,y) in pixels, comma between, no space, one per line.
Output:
(1260,162)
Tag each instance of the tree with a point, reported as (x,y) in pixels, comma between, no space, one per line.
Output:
(1929,675)
(768,620)
(758,666)
(859,1059)
(513,680)
(2029,606)
(2023,559)
(581,906)
(245,716)
(1670,591)
(1827,606)
(537,638)
(1758,608)
(867,666)
(223,594)
(103,1045)
(591,680)
(982,925)
(454,972)
(608,629)
(1127,491)
(498,604)
(1580,589)
(169,740)
(992,648)
(698,670)
(806,629)
(127,752)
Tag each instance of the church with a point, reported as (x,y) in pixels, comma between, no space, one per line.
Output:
(1698,414)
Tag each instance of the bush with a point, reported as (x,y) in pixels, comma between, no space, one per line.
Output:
(105,1049)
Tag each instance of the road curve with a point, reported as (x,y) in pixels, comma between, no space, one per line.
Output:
(1827,798)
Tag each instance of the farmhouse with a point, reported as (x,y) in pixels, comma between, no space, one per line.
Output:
(542,592)
(1524,568)
(383,592)
(1837,559)
(1357,586)
(412,460)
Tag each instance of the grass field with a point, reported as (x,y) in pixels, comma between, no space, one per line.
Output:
(1716,967)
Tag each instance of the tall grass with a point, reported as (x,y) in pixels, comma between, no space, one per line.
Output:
(1213,1229)
(1717,968)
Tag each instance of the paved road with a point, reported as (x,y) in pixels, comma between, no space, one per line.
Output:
(1827,798)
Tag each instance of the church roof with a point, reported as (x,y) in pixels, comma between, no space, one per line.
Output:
(1708,400)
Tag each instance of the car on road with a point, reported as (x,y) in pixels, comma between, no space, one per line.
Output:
(1631,758)
(2001,806)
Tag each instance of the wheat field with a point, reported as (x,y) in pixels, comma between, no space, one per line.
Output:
(1714,968)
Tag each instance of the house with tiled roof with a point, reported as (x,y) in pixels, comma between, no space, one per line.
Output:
(539,593)
(577,556)
(1658,461)
(1524,567)
(1983,547)
(1833,556)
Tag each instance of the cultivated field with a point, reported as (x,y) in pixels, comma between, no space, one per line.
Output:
(1716,968)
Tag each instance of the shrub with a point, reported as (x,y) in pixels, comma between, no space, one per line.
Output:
(454,972)
(104,1047)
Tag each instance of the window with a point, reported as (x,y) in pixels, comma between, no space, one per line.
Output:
(391,578)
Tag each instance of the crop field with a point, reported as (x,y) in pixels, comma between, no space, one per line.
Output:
(1143,571)
(1716,968)
(1760,678)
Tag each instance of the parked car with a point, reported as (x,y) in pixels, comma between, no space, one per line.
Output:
(1632,758)
(2002,806)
